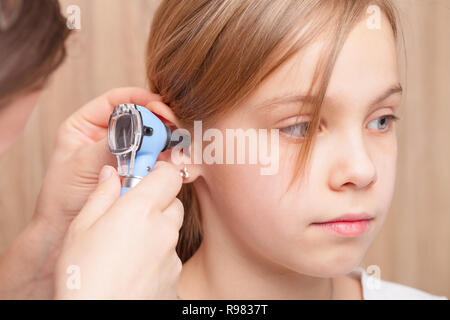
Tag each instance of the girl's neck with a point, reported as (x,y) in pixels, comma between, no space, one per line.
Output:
(223,272)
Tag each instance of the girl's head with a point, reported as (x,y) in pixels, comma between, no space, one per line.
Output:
(32,36)
(323,72)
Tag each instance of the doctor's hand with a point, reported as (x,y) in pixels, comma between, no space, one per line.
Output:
(124,247)
(81,151)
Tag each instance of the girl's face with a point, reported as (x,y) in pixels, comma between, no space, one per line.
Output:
(352,166)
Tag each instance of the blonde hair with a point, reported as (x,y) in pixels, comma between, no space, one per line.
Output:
(206,57)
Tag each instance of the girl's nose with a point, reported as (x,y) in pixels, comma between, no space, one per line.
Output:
(352,164)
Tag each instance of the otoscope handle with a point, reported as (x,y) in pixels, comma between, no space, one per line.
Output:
(155,138)
(128,183)
(123,191)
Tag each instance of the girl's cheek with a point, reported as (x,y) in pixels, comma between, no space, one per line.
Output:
(384,154)
(247,198)
(386,171)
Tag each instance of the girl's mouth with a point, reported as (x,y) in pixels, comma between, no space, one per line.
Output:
(349,225)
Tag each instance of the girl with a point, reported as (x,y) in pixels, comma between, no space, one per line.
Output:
(325,74)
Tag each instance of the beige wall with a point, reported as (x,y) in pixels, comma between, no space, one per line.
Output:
(413,247)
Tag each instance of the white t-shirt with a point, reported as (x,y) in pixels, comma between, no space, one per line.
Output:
(386,290)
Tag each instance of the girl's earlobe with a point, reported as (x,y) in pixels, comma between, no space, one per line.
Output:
(184,173)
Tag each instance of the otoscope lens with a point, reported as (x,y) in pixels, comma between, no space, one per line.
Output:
(124,132)
(124,129)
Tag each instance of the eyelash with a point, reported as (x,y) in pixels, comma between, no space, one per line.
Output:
(292,128)
(390,117)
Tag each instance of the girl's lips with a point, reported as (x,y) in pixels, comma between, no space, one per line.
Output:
(350,217)
(346,228)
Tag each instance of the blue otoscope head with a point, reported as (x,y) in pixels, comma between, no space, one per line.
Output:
(136,137)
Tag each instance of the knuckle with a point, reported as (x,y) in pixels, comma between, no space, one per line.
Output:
(140,199)
(177,264)
(175,213)
(171,233)
(177,177)
(152,207)
(179,216)
(179,204)
(163,225)
(74,229)
(167,237)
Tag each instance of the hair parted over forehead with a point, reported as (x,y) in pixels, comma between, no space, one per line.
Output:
(205,58)
(32,45)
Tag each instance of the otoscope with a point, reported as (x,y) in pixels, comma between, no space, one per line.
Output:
(136,137)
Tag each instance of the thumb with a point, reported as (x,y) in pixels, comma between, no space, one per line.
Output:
(106,193)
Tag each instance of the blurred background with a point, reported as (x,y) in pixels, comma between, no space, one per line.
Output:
(413,247)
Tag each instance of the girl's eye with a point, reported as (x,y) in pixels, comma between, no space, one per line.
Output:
(299,130)
(382,123)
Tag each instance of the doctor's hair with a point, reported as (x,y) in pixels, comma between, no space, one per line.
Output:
(205,58)
(32,45)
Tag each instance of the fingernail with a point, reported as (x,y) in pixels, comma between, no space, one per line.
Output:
(104,174)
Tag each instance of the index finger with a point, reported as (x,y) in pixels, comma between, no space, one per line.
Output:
(95,114)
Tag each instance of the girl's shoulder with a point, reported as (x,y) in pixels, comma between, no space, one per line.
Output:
(374,289)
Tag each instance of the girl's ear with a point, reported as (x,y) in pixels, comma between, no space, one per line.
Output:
(178,156)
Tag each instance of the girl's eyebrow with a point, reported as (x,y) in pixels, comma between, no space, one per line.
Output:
(308,99)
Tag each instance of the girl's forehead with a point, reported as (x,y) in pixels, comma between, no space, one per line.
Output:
(366,65)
